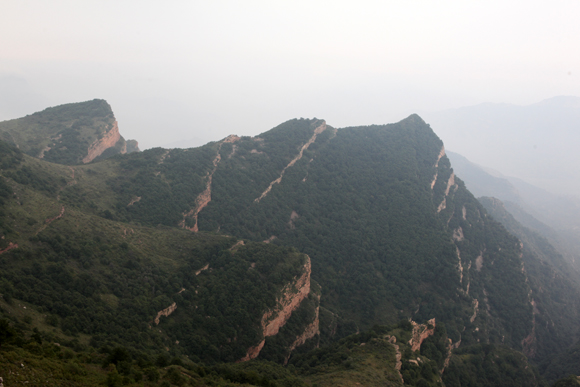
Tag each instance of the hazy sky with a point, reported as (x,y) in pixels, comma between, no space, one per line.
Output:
(183,69)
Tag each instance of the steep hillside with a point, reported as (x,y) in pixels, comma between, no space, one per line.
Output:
(68,134)
(391,232)
(555,217)
(555,290)
(214,298)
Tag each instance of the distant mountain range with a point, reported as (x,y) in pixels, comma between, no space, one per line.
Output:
(556,217)
(537,143)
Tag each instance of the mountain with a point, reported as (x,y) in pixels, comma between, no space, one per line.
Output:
(553,281)
(555,217)
(68,134)
(536,143)
(390,231)
(328,255)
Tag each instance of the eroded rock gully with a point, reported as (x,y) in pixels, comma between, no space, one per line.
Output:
(204,198)
(450,184)
(292,296)
(311,331)
(165,312)
(321,128)
(441,154)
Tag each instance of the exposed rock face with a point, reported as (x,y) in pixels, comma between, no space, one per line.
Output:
(420,333)
(275,319)
(458,234)
(202,269)
(292,296)
(311,330)
(204,198)
(441,154)
(108,140)
(165,312)
(475,309)
(450,184)
(9,247)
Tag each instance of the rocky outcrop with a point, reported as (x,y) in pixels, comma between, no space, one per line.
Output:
(479,261)
(439,156)
(450,183)
(460,265)
(202,269)
(458,234)
(292,296)
(9,247)
(317,131)
(293,216)
(134,200)
(108,140)
(420,333)
(475,309)
(165,312)
(132,146)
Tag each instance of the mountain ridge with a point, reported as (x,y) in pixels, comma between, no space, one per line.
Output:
(374,214)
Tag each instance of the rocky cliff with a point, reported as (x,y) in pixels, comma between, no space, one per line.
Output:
(292,296)
(108,140)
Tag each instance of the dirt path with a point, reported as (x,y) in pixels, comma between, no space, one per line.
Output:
(317,131)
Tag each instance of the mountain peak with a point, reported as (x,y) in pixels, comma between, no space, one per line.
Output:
(68,134)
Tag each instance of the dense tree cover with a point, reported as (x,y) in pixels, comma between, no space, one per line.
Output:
(360,203)
(167,182)
(108,280)
(31,357)
(112,292)
(490,365)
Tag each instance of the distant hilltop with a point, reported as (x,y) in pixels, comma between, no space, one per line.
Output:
(69,134)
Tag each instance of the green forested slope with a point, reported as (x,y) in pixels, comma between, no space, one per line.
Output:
(375,207)
(392,234)
(104,282)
